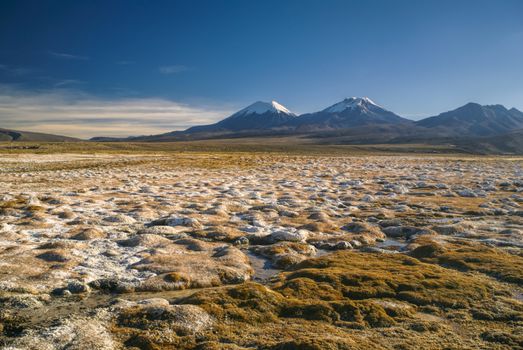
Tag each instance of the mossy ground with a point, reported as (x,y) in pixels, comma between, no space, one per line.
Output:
(353,300)
(473,256)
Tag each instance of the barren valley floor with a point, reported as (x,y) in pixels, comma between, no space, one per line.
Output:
(260,250)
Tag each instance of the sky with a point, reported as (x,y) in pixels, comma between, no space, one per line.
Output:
(135,67)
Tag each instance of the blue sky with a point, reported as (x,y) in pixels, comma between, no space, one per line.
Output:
(88,68)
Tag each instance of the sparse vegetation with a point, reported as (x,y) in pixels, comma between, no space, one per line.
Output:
(167,249)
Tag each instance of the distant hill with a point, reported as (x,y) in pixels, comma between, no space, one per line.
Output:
(112,139)
(510,143)
(474,119)
(16,135)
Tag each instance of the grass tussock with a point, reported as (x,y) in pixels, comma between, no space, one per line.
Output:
(473,256)
(336,301)
(360,276)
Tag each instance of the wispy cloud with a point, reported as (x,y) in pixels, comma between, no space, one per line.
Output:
(12,70)
(67,56)
(173,69)
(77,114)
(68,82)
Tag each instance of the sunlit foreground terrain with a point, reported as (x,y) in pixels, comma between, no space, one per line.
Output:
(119,248)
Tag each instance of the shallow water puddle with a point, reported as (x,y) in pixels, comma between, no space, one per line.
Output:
(391,244)
(263,268)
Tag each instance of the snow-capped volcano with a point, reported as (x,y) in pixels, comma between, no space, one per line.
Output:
(257,116)
(261,107)
(351,112)
(352,103)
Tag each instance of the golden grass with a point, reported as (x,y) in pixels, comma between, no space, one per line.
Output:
(289,145)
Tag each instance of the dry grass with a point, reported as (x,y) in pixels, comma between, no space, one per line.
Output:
(250,145)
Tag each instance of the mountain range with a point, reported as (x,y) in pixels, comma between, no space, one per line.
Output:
(358,118)
(354,120)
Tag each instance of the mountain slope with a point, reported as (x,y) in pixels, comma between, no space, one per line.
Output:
(349,113)
(509,143)
(474,119)
(21,136)
(258,116)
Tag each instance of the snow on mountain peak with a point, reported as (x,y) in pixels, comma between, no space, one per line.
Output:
(280,108)
(264,107)
(351,103)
